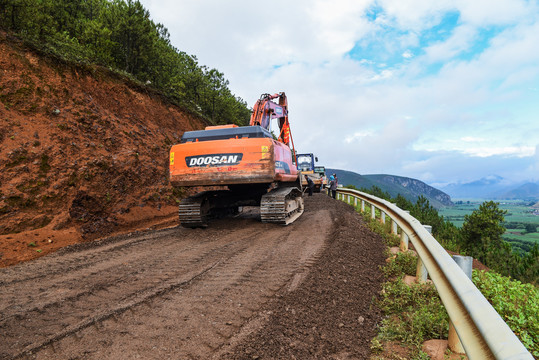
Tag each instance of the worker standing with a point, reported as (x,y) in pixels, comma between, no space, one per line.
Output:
(333,186)
(310,185)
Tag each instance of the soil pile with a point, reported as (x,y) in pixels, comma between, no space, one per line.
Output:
(83,153)
(332,315)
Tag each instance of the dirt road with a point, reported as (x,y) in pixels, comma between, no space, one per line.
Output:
(240,289)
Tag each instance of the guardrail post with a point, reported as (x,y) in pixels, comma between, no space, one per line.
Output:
(382,217)
(404,238)
(362,205)
(404,242)
(394,228)
(422,272)
(465,263)
(355,201)
(348,201)
(373,212)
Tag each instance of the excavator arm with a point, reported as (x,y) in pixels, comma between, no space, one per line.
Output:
(265,110)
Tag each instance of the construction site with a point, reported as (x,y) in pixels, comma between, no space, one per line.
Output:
(97,265)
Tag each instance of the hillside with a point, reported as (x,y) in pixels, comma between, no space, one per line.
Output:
(84,153)
(524,191)
(394,185)
(493,187)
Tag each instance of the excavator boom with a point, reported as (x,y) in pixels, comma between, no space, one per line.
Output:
(265,110)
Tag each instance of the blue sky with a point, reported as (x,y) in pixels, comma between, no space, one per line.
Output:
(442,91)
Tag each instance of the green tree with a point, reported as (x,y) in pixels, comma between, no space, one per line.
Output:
(482,230)
(378,192)
(403,203)
(530,228)
(426,214)
(121,35)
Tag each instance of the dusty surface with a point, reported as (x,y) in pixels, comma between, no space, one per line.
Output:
(83,154)
(240,289)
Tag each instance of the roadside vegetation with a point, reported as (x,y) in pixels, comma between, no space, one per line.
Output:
(521,220)
(480,236)
(414,313)
(121,36)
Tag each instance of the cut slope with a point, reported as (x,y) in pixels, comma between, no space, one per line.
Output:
(84,153)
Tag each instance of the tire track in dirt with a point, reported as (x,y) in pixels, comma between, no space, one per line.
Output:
(212,280)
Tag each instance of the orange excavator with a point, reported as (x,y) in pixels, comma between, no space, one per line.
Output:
(252,167)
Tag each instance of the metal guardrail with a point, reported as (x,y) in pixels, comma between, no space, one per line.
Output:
(481,330)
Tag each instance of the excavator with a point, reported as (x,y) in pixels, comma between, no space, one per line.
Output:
(249,165)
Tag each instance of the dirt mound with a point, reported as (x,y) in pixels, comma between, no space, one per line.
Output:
(83,153)
(332,314)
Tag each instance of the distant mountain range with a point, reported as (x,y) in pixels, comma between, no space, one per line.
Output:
(410,188)
(493,187)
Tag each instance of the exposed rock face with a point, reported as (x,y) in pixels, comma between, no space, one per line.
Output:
(419,187)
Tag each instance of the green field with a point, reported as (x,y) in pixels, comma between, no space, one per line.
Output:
(518,214)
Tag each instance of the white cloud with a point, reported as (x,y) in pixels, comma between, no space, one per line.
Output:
(357,136)
(408,54)
(508,151)
(502,12)
(476,116)
(472,139)
(461,40)
(415,15)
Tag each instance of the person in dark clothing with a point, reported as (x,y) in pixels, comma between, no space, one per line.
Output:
(333,186)
(310,185)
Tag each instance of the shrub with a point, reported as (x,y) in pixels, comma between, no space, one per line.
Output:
(517,304)
(403,263)
(413,313)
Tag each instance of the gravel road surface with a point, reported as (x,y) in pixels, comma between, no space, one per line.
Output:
(240,289)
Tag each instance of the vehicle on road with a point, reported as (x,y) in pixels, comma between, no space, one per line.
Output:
(307,167)
(247,163)
(321,170)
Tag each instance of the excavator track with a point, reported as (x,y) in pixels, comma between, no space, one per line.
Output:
(281,206)
(193,211)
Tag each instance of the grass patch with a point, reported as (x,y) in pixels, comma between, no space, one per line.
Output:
(383,230)
(402,264)
(413,314)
